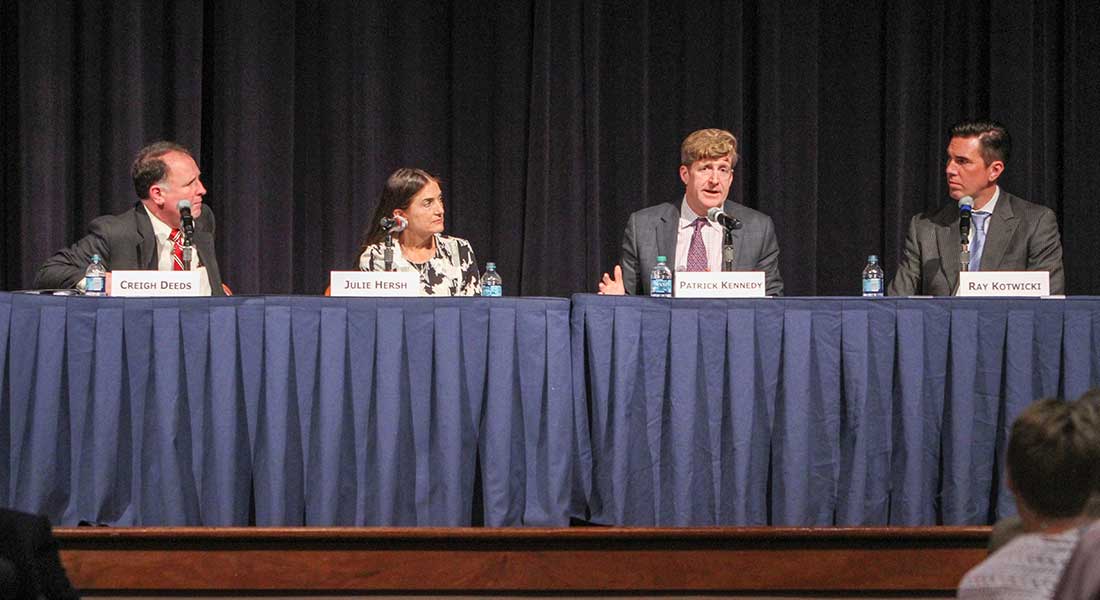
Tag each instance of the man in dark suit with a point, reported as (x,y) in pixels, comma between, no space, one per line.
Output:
(146,237)
(28,548)
(681,232)
(1007,233)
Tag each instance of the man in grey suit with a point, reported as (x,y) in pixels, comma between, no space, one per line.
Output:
(681,231)
(1007,233)
(147,237)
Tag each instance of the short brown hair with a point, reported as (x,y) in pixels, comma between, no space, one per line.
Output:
(993,138)
(708,144)
(1053,456)
(148,168)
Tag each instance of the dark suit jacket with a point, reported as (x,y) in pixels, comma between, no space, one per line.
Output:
(1021,236)
(125,242)
(651,232)
(27,542)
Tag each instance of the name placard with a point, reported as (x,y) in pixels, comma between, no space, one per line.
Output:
(720,284)
(156,283)
(1004,283)
(374,283)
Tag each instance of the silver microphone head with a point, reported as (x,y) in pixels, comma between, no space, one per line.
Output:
(184,205)
(966,203)
(712,214)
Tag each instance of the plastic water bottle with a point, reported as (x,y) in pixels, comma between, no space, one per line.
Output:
(872,277)
(95,278)
(491,283)
(660,279)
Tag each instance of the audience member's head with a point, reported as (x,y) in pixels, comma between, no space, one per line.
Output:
(1053,458)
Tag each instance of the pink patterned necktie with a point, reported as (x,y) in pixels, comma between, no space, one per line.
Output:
(697,252)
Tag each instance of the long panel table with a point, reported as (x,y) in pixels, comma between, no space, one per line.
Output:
(287,410)
(816,411)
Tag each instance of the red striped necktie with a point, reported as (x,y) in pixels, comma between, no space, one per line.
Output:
(176,237)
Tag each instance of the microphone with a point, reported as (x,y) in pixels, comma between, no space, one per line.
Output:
(716,215)
(187,223)
(966,204)
(397,224)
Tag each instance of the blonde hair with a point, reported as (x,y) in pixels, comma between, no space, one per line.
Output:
(708,144)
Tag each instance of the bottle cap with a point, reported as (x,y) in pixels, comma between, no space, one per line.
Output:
(661,258)
(490,266)
(873,258)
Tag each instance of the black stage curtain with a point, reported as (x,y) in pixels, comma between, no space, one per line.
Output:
(548,121)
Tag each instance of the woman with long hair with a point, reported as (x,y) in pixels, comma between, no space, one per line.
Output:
(446,264)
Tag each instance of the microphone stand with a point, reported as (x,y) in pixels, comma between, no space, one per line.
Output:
(387,253)
(964,241)
(727,248)
(188,249)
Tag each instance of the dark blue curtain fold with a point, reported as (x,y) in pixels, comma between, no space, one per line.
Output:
(288,411)
(816,412)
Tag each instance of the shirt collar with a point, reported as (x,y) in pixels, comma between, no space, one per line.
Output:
(989,206)
(688,216)
(160,229)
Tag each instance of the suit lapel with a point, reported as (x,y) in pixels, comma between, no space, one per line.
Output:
(947,239)
(204,243)
(1002,225)
(734,209)
(147,247)
(666,235)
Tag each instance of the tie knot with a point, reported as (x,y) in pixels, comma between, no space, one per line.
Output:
(699,223)
(979,215)
(175,235)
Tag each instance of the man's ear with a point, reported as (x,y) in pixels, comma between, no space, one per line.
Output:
(684,173)
(995,170)
(156,194)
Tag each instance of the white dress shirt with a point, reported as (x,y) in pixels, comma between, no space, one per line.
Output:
(712,239)
(161,231)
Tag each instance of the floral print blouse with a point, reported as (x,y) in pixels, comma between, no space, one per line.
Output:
(451,272)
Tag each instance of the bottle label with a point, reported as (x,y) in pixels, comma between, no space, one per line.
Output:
(491,291)
(660,287)
(94,284)
(872,285)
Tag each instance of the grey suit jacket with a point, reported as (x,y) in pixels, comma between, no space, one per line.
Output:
(1022,236)
(651,232)
(125,242)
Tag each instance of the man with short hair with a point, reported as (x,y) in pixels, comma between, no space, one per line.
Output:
(1007,233)
(1052,465)
(147,237)
(682,232)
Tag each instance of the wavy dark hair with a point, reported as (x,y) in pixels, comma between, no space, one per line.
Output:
(398,193)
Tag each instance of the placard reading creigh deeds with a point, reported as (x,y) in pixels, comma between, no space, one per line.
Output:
(1004,283)
(374,283)
(720,284)
(155,283)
